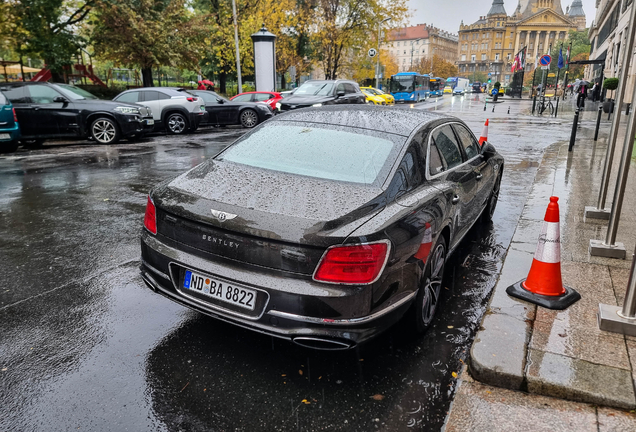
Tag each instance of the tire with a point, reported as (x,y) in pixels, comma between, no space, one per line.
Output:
(248,118)
(9,147)
(428,296)
(551,109)
(489,210)
(104,130)
(32,143)
(176,123)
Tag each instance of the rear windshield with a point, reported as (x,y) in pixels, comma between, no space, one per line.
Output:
(326,152)
(3,100)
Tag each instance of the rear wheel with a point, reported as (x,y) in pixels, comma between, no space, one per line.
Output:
(176,123)
(489,211)
(428,295)
(249,118)
(9,147)
(104,131)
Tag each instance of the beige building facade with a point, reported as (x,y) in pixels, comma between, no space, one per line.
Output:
(608,37)
(411,44)
(491,43)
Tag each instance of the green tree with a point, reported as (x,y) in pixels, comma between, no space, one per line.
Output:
(48,29)
(148,33)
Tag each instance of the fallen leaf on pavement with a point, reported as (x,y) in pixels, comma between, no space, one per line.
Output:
(377,397)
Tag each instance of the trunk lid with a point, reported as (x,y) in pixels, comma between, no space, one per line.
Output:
(261,217)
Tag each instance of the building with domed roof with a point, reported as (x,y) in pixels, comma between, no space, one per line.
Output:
(490,43)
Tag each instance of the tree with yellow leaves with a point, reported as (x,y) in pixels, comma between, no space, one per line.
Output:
(347,25)
(439,68)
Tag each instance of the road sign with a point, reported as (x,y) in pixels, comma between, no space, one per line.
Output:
(551,75)
(545,60)
(373,52)
(489,74)
(545,67)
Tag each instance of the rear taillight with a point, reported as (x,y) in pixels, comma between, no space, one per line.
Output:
(150,220)
(357,264)
(191,99)
(15,117)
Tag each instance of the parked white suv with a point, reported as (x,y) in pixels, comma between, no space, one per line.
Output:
(173,108)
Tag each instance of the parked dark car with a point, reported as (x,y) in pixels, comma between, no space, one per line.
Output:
(175,110)
(228,112)
(315,93)
(9,127)
(47,111)
(322,226)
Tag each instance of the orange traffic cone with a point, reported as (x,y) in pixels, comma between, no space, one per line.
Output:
(484,134)
(544,285)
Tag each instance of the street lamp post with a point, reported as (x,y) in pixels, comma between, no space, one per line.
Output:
(236,44)
(377,63)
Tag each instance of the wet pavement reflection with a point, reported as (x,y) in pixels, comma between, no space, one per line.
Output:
(85,345)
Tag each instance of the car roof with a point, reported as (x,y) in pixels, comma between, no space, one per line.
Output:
(175,90)
(395,120)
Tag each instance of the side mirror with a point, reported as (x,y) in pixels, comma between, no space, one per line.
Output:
(221,101)
(340,93)
(60,99)
(488,150)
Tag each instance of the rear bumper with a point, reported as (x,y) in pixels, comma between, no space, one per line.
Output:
(297,308)
(14,133)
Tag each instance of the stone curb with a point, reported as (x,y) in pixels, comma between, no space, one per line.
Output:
(500,354)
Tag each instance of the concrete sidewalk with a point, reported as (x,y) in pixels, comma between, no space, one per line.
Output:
(540,369)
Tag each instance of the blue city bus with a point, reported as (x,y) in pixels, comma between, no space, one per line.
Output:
(436,86)
(409,87)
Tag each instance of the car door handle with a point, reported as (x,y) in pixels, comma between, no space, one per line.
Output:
(455,199)
(36,108)
(479,176)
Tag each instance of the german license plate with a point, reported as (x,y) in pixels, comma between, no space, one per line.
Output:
(150,122)
(223,291)
(5,136)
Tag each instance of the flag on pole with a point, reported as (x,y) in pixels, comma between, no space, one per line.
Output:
(567,56)
(560,63)
(515,64)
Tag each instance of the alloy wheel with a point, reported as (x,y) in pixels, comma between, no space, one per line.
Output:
(249,119)
(433,284)
(176,123)
(104,131)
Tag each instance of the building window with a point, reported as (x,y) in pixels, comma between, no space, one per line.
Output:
(540,46)
(418,42)
(507,77)
(472,57)
(404,51)
(483,56)
(496,57)
(463,57)
(498,24)
(510,45)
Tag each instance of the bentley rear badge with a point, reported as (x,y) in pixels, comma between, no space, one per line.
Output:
(222,216)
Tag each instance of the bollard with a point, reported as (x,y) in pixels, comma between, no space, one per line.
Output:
(493,108)
(534,103)
(508,110)
(485,104)
(556,108)
(598,121)
(574,125)
(621,320)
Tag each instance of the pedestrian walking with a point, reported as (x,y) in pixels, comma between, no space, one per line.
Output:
(201,86)
(581,95)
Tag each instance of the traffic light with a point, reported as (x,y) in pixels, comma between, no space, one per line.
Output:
(489,80)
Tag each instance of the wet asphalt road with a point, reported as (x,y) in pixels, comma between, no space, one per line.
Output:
(84,345)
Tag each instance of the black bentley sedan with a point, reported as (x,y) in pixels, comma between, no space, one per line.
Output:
(53,111)
(222,111)
(322,226)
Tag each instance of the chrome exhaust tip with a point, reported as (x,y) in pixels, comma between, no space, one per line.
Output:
(323,344)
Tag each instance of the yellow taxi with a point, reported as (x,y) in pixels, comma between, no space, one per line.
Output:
(386,99)
(448,89)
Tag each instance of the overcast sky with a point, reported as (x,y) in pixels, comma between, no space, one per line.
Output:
(447,14)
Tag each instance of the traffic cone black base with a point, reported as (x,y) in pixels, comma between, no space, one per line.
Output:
(559,302)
